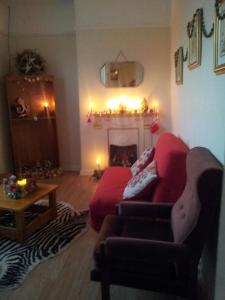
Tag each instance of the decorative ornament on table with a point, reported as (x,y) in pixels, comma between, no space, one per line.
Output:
(29,62)
(17,189)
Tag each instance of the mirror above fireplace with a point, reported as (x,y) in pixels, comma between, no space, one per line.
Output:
(121,74)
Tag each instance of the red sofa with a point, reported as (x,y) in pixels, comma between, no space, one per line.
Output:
(170,155)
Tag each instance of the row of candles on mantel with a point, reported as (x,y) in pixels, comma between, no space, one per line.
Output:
(124,106)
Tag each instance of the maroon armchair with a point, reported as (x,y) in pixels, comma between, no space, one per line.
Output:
(158,246)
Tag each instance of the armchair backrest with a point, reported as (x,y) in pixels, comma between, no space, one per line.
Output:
(193,213)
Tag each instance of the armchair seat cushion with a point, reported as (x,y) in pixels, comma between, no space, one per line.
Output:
(128,227)
(131,227)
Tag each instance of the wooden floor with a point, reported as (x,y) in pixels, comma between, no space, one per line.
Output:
(67,276)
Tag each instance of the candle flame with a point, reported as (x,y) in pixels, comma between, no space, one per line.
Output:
(22,182)
(45,104)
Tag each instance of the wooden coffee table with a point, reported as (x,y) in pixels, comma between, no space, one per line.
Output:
(22,228)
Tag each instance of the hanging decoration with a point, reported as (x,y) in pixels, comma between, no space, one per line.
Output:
(179,59)
(29,62)
(194,31)
(191,24)
(217,6)
(219,38)
(186,55)
(205,33)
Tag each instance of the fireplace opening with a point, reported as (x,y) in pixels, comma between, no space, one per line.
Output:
(122,155)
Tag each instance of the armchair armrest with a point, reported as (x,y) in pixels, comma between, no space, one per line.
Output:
(144,250)
(144,209)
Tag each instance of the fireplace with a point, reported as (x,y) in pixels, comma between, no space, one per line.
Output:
(122,155)
(123,146)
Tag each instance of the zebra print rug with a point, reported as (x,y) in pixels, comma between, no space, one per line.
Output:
(17,260)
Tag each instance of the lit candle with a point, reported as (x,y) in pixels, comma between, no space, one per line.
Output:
(46,107)
(22,182)
(91,107)
(98,163)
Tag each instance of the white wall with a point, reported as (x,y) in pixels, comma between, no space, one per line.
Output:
(117,13)
(5,154)
(48,27)
(100,36)
(198,106)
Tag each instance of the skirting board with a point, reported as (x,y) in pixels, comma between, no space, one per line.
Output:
(70,167)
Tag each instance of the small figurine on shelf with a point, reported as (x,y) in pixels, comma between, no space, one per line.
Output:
(144,106)
(20,107)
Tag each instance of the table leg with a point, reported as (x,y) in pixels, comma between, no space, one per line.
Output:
(20,226)
(52,203)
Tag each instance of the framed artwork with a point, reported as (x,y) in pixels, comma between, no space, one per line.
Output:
(194,41)
(179,66)
(219,38)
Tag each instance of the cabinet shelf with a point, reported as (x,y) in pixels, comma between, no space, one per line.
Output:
(33,119)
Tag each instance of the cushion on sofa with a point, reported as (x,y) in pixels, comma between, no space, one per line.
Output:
(139,185)
(145,158)
(170,155)
(108,193)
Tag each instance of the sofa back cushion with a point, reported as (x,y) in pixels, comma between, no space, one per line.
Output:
(192,214)
(170,157)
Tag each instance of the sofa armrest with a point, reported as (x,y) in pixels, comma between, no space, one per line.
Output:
(120,248)
(144,209)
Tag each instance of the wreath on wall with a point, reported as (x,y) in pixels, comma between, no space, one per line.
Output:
(29,62)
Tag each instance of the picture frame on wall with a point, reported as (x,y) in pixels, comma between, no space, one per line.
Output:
(194,41)
(179,66)
(219,38)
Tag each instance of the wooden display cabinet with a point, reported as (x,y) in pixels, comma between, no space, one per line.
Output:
(31,106)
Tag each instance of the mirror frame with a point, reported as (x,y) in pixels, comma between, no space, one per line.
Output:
(107,85)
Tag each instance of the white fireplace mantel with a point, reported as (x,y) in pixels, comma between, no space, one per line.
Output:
(117,129)
(126,130)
